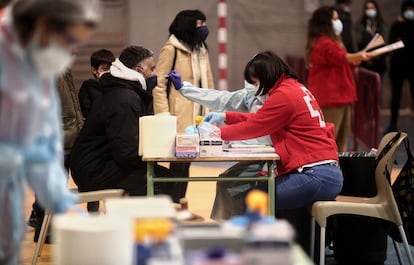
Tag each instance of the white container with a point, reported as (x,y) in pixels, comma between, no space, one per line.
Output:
(157,136)
(93,240)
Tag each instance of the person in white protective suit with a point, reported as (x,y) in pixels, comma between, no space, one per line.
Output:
(37,38)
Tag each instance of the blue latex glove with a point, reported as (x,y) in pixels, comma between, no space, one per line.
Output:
(192,129)
(39,152)
(175,78)
(214,117)
(50,184)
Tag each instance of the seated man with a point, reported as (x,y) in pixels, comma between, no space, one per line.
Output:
(101,60)
(105,154)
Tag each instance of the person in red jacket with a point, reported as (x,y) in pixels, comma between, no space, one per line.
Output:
(330,76)
(308,168)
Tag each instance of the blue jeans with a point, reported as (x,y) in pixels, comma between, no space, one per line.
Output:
(318,183)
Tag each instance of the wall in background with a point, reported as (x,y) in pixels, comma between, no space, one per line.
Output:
(253,26)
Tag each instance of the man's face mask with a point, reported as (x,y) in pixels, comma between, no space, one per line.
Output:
(151,83)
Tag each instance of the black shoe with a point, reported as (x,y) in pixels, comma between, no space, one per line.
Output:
(32,222)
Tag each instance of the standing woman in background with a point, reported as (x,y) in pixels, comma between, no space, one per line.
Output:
(186,52)
(370,23)
(330,71)
(401,60)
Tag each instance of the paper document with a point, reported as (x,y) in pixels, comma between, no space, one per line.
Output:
(250,150)
(387,48)
(376,41)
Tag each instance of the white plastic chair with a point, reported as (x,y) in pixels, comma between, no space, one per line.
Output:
(83,197)
(381,206)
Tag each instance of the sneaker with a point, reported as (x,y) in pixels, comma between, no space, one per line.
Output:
(32,222)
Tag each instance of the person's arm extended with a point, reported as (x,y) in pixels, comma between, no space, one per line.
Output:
(357,57)
(219,100)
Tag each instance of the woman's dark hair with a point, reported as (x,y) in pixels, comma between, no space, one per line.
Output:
(406,4)
(320,24)
(379,19)
(268,68)
(184,28)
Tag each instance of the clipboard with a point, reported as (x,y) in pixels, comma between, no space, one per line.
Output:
(376,41)
(387,48)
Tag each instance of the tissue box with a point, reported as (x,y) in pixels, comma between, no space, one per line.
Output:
(187,140)
(186,151)
(211,148)
(186,145)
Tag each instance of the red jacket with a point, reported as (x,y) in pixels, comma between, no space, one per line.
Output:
(294,121)
(330,76)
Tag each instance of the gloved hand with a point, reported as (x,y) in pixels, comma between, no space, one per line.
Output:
(50,184)
(40,152)
(214,117)
(192,129)
(175,78)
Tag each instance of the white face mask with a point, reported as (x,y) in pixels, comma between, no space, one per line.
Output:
(371,13)
(337,26)
(52,59)
(409,14)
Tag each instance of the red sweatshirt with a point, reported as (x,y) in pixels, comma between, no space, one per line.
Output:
(294,121)
(330,76)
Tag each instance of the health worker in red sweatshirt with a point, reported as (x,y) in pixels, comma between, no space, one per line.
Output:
(330,76)
(308,168)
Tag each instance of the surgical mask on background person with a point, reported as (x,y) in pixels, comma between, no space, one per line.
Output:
(371,13)
(52,59)
(337,26)
(202,33)
(409,14)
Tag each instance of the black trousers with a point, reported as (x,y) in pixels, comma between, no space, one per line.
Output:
(396,92)
(179,189)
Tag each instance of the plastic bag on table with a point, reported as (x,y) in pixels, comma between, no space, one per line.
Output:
(209,131)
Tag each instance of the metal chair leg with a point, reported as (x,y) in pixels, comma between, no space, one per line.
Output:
(42,237)
(397,251)
(322,247)
(406,246)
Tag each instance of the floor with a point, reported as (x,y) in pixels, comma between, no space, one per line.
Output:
(201,196)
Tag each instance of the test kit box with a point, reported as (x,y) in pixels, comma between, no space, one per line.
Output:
(187,145)
(211,148)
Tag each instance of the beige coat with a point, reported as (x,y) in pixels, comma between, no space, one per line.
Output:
(195,68)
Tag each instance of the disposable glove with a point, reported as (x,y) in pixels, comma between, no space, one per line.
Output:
(214,117)
(40,152)
(192,129)
(49,183)
(175,78)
